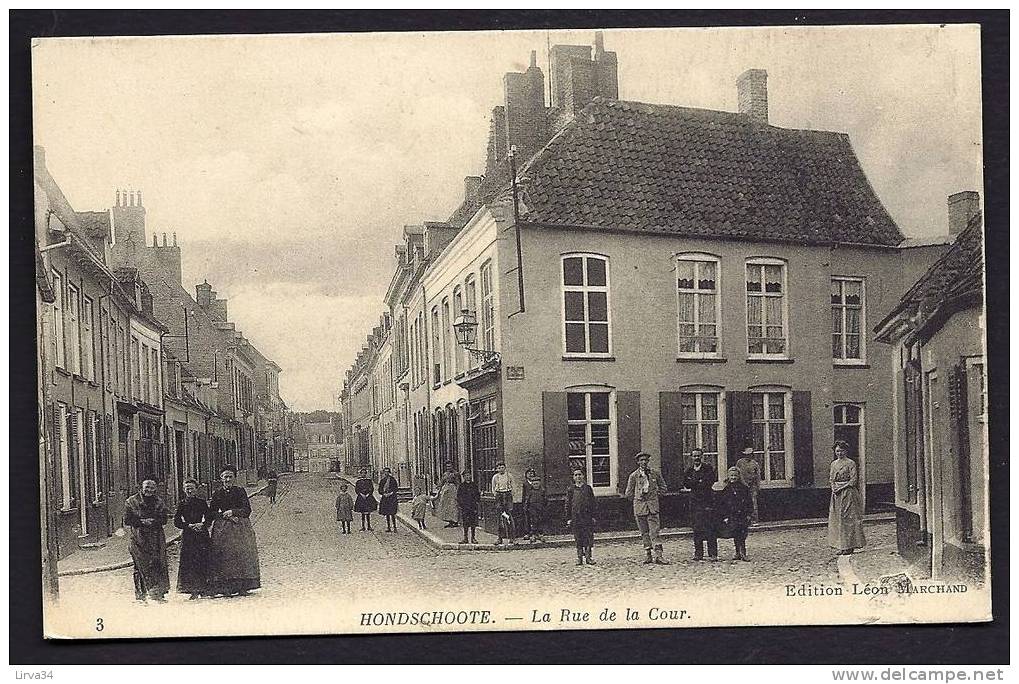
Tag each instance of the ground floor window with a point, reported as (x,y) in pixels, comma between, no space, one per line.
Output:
(770,430)
(702,428)
(485,442)
(590,431)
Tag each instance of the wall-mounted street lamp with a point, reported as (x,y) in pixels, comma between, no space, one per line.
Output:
(466,328)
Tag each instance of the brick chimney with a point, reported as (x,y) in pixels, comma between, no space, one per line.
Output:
(962,207)
(526,125)
(752,93)
(472,189)
(203,294)
(129,218)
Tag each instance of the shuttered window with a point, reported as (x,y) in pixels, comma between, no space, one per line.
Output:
(59,341)
(771,434)
(702,428)
(592,435)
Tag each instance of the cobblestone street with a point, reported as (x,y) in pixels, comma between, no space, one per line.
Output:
(304,557)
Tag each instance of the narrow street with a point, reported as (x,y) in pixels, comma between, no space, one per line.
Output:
(304,558)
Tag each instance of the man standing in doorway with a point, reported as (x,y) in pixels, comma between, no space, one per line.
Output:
(700,479)
(643,487)
(146,514)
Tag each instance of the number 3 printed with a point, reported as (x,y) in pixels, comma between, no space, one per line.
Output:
(99,625)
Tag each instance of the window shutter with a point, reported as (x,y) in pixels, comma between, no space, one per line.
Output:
(959,415)
(628,434)
(557,442)
(738,430)
(55,484)
(803,440)
(670,419)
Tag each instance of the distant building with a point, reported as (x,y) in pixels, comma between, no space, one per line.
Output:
(318,446)
(937,334)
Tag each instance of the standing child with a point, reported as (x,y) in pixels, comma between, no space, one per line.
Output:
(418,509)
(344,509)
(468,499)
(735,510)
(580,516)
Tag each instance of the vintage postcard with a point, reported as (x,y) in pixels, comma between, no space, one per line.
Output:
(510,330)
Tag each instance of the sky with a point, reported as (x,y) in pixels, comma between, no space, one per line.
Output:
(288,165)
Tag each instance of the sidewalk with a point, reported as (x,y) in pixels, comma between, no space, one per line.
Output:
(441,537)
(114,554)
(880,559)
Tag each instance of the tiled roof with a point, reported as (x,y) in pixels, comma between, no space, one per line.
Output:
(95,224)
(665,169)
(956,278)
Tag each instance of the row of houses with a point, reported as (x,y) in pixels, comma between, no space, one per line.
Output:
(318,442)
(629,276)
(137,378)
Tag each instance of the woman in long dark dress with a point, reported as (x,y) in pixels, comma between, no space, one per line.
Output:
(233,556)
(845,513)
(364,502)
(447,506)
(192,518)
(387,498)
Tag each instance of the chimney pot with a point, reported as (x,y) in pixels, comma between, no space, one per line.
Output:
(139,198)
(534,59)
(155,240)
(962,207)
(174,238)
(752,94)
(117,203)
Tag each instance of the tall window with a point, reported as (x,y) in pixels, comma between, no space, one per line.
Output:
(458,351)
(471,304)
(770,412)
(766,308)
(146,378)
(88,348)
(436,349)
(447,349)
(487,336)
(65,456)
(74,325)
(94,427)
(847,319)
(485,442)
(590,429)
(698,315)
(586,305)
(136,386)
(154,379)
(122,376)
(702,427)
(848,423)
(58,320)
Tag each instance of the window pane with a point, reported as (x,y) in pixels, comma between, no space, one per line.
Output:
(754,310)
(597,306)
(600,438)
(599,338)
(776,436)
(685,274)
(753,278)
(595,271)
(852,414)
(773,312)
(600,472)
(777,465)
(772,278)
(573,271)
(709,434)
(776,405)
(706,308)
(836,319)
(687,330)
(852,346)
(758,436)
(575,337)
(689,437)
(575,406)
(578,439)
(574,306)
(599,406)
(688,407)
(709,406)
(574,463)
(757,407)
(836,346)
(836,292)
(688,343)
(854,292)
(853,321)
(706,275)
(686,304)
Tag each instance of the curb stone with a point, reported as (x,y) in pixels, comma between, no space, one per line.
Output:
(128,563)
(435,541)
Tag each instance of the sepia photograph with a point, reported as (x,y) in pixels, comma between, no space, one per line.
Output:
(510,330)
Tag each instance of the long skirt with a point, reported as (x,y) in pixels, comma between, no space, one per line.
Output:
(447,509)
(194,562)
(845,520)
(233,557)
(148,551)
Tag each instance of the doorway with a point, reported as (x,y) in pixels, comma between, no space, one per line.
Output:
(850,428)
